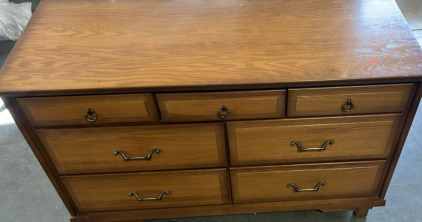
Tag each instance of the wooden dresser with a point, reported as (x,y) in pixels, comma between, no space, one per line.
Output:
(180,108)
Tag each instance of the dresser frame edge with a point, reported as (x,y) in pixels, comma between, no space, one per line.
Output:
(36,146)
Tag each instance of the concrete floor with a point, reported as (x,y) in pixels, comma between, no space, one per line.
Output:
(26,194)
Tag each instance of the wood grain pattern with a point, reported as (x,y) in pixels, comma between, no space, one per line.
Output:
(91,150)
(75,45)
(358,137)
(366,99)
(177,107)
(110,192)
(47,111)
(261,184)
(104,48)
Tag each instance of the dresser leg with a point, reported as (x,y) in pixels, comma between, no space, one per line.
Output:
(79,219)
(361,212)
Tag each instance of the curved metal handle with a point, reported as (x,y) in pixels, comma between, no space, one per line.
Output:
(147,157)
(90,113)
(160,196)
(347,106)
(223,112)
(316,188)
(322,148)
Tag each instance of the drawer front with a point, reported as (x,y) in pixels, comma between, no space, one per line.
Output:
(46,111)
(215,106)
(331,181)
(348,100)
(111,191)
(92,150)
(289,140)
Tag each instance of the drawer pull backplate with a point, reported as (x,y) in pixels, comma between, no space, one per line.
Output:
(323,146)
(160,196)
(316,188)
(147,157)
(90,115)
(223,112)
(347,106)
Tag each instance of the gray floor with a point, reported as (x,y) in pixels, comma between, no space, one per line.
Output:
(26,194)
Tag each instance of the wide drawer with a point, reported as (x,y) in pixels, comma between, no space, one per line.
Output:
(312,139)
(46,111)
(222,105)
(112,191)
(92,150)
(348,100)
(311,181)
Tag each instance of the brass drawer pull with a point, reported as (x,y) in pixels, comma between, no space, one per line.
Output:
(323,146)
(223,112)
(147,157)
(160,197)
(316,188)
(90,115)
(347,106)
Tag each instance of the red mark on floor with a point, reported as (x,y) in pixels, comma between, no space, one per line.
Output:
(372,61)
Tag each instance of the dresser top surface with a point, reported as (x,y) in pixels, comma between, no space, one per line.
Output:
(126,44)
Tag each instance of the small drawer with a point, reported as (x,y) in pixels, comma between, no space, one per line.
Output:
(222,105)
(312,139)
(117,191)
(94,150)
(73,110)
(348,100)
(305,182)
